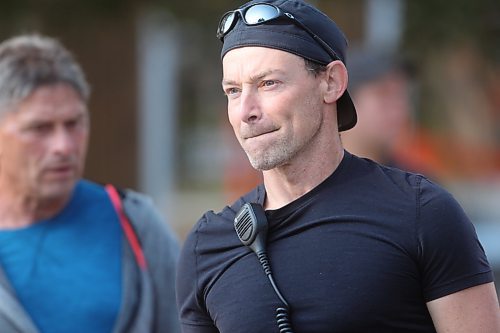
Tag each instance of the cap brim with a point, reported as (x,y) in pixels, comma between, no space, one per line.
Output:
(346,112)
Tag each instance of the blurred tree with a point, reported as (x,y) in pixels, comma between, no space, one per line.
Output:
(456,47)
(438,23)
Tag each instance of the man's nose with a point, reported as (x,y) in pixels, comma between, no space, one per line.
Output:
(63,141)
(250,106)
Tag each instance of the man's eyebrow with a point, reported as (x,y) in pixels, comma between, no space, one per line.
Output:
(228,82)
(260,76)
(254,78)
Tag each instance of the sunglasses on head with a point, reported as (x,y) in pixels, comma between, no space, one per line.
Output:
(261,13)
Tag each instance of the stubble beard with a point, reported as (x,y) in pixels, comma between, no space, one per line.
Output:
(279,153)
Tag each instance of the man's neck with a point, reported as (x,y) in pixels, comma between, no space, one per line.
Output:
(22,211)
(288,183)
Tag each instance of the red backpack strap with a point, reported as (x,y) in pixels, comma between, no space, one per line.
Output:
(126,226)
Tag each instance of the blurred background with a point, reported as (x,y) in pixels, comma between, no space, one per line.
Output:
(425,76)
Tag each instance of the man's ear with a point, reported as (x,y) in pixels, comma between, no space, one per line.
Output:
(336,78)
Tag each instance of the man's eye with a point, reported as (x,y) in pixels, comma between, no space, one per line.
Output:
(75,123)
(269,83)
(232,91)
(40,128)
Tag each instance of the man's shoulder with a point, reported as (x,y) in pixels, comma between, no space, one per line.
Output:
(365,178)
(382,174)
(217,227)
(140,208)
(137,199)
(229,212)
(147,220)
(212,244)
(131,199)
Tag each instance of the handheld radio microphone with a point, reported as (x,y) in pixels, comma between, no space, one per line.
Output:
(251,227)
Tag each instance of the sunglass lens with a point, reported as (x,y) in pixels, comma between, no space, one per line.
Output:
(260,13)
(226,23)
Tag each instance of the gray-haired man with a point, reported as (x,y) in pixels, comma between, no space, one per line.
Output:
(74,256)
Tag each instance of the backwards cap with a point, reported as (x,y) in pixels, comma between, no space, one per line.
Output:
(283,34)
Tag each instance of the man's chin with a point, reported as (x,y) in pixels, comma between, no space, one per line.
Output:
(57,190)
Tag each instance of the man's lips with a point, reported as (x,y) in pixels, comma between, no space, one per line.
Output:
(60,170)
(255,134)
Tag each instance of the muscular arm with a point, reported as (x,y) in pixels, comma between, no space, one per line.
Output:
(471,310)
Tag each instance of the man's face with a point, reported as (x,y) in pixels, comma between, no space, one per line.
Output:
(43,143)
(274,104)
(384,112)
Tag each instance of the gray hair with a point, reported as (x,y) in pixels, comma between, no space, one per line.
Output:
(30,61)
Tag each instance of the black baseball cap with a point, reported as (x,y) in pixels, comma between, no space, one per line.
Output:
(283,34)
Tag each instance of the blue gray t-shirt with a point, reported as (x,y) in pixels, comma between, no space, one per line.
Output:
(66,271)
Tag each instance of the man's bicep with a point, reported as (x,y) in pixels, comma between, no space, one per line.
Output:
(193,314)
(474,309)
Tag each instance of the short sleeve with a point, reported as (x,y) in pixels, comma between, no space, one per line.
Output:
(451,257)
(192,312)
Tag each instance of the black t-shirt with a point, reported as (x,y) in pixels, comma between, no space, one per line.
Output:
(362,252)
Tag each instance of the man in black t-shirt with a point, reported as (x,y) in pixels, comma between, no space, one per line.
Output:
(344,244)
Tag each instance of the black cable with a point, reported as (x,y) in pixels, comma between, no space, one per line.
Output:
(251,227)
(282,313)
